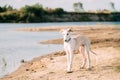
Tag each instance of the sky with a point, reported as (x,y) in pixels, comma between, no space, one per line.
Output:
(67,5)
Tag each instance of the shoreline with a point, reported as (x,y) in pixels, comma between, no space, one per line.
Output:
(74,28)
(48,67)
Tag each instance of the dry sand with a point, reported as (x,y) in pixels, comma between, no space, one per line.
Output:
(105,42)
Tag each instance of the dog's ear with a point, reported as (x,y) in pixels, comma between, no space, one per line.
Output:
(69,30)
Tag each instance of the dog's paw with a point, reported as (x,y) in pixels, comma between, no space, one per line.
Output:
(89,69)
(69,71)
(81,67)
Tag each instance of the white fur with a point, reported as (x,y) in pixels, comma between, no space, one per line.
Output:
(80,43)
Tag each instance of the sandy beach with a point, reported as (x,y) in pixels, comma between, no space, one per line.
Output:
(105,42)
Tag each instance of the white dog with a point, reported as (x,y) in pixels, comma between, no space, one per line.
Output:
(80,43)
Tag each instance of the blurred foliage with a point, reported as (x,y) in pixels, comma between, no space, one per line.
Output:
(6,8)
(36,13)
(36,9)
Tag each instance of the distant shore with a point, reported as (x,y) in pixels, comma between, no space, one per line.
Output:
(105,41)
(37,13)
(28,17)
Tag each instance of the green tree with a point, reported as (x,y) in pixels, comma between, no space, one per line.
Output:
(59,10)
(9,8)
(1,9)
(35,9)
(6,8)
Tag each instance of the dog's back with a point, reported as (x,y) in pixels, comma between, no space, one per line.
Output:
(81,40)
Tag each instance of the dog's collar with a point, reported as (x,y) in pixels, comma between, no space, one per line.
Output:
(68,40)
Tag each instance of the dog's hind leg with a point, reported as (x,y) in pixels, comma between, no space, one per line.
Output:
(88,57)
(82,51)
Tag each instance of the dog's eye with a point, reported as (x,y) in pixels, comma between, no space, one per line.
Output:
(67,34)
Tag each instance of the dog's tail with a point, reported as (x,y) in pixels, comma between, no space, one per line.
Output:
(96,56)
(93,52)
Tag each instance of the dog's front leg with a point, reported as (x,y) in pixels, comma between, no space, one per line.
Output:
(71,61)
(68,59)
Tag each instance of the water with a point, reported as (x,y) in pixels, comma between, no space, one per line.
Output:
(18,45)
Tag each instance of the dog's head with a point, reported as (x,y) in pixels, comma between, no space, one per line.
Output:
(66,34)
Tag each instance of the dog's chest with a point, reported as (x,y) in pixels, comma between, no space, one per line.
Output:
(69,45)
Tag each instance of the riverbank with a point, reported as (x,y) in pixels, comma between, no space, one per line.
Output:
(105,42)
(56,16)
